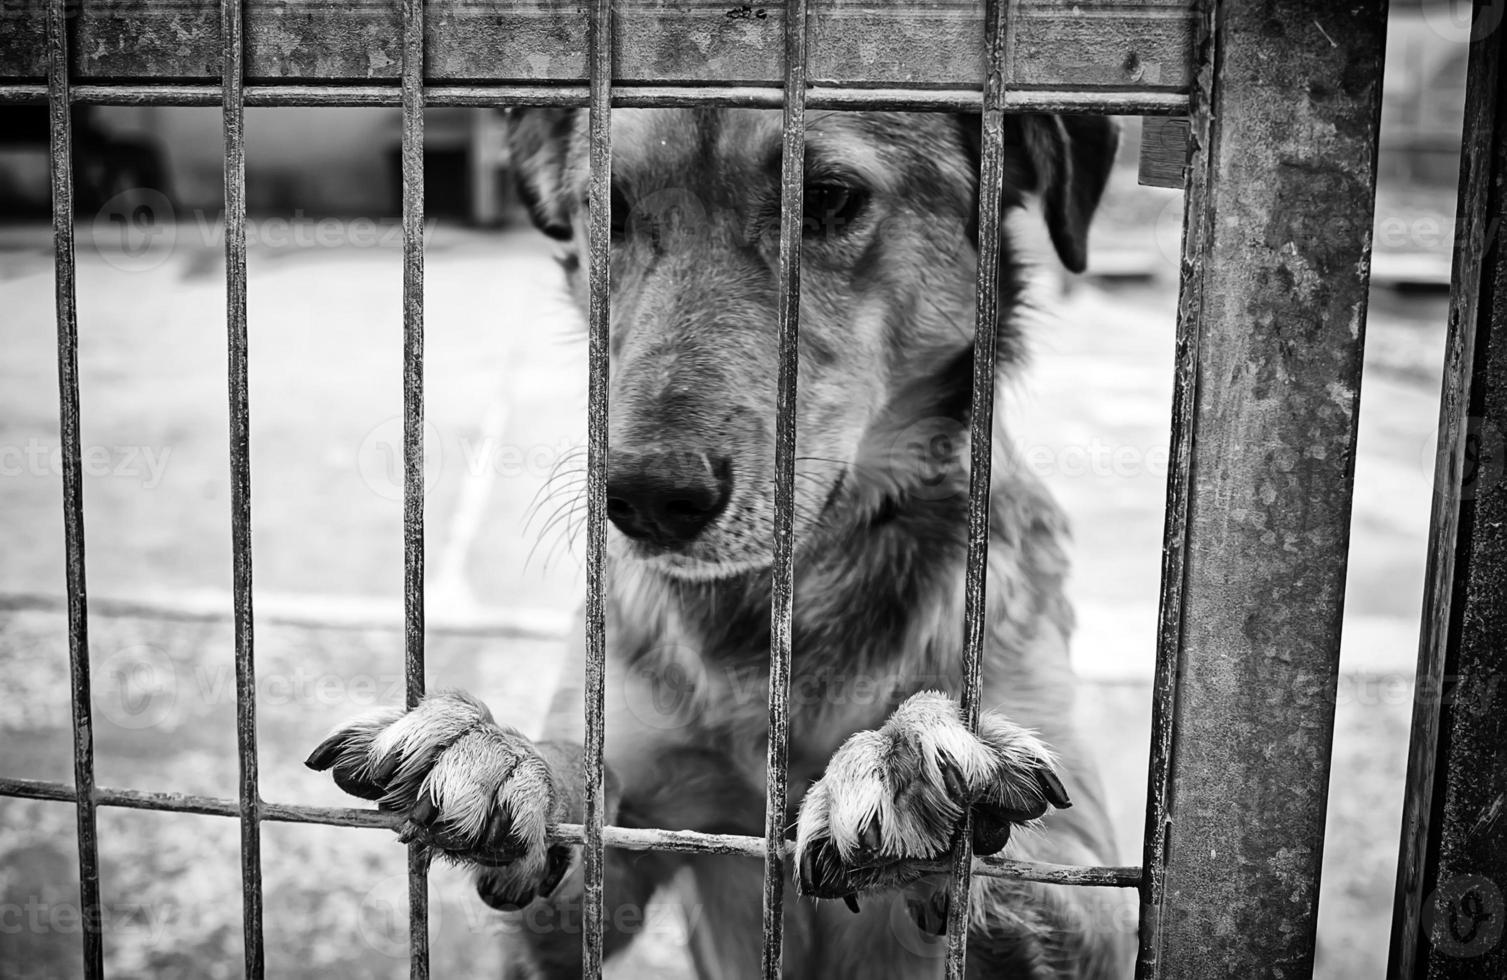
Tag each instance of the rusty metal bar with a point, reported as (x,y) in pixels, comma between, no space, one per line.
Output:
(782,569)
(413,439)
(622,838)
(999,16)
(599,268)
(1447,918)
(1197,216)
(1098,102)
(60,161)
(1274,302)
(232,54)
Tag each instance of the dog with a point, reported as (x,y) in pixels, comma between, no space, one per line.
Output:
(882,766)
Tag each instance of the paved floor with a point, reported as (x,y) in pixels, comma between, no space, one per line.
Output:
(505,381)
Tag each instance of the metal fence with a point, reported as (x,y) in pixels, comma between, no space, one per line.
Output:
(1280,187)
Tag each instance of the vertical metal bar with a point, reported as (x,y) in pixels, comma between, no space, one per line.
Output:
(999,41)
(232,52)
(61,162)
(1447,919)
(1275,282)
(599,256)
(1197,215)
(782,585)
(413,438)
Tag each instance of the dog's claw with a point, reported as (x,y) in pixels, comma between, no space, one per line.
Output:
(499,827)
(356,785)
(820,873)
(957,786)
(870,844)
(851,901)
(991,831)
(385,768)
(325,754)
(1052,788)
(424,810)
(557,863)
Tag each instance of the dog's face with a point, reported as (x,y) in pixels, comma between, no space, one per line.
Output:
(888,260)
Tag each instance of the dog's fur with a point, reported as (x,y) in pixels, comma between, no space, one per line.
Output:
(881,764)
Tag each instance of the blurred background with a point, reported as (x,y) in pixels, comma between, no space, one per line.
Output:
(505,385)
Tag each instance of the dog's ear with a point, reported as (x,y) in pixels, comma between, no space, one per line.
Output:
(537,144)
(1067,160)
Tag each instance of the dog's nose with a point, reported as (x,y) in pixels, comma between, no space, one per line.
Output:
(666,498)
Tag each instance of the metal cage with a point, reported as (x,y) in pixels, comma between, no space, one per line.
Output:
(1280,194)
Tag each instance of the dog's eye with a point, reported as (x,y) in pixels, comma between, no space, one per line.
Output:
(832,209)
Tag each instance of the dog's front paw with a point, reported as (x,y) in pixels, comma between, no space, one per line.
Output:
(892,800)
(468,788)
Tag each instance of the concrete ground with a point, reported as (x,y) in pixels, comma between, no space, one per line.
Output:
(505,382)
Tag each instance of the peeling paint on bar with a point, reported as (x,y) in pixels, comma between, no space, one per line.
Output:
(599,270)
(1452,864)
(1127,102)
(782,570)
(999,42)
(1275,283)
(60,162)
(1196,231)
(413,439)
(1065,43)
(232,55)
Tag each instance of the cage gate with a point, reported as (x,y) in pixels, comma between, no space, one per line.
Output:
(1283,126)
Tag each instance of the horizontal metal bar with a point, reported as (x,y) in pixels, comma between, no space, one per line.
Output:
(1097,102)
(211,806)
(623,838)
